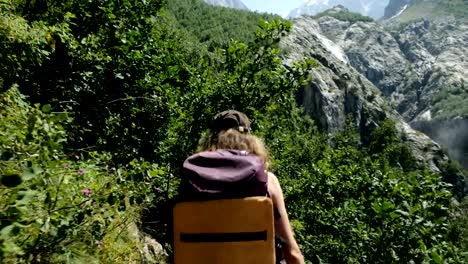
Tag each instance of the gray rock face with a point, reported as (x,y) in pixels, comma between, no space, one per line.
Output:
(379,63)
(338,90)
(228,3)
(372,8)
(410,64)
(151,251)
(438,54)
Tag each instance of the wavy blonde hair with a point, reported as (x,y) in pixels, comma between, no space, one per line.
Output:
(233,139)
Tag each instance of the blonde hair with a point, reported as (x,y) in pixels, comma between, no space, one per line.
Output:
(233,139)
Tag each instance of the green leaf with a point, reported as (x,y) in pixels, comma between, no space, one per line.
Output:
(436,257)
(31,172)
(46,108)
(402,212)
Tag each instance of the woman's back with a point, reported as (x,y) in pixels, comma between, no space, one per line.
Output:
(233,163)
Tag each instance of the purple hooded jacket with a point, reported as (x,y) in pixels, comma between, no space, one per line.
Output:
(223,174)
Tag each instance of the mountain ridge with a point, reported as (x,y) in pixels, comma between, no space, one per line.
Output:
(420,68)
(372,8)
(338,90)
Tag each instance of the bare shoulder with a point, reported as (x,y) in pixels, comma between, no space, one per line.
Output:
(273,184)
(272,176)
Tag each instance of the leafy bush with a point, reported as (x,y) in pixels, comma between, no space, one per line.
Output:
(451,102)
(459,8)
(55,208)
(386,143)
(134,85)
(122,86)
(459,225)
(349,205)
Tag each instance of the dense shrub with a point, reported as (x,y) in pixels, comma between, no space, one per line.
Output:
(353,205)
(108,100)
(57,208)
(450,102)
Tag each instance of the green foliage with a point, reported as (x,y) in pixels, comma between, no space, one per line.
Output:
(435,9)
(459,225)
(386,144)
(345,16)
(458,8)
(453,174)
(108,99)
(134,85)
(349,205)
(214,25)
(55,208)
(27,45)
(451,102)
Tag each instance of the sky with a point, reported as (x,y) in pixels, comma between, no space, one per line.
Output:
(280,7)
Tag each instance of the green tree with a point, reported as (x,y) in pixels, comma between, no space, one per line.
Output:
(122,84)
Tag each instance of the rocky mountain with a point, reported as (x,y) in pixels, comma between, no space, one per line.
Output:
(372,8)
(339,89)
(238,4)
(420,67)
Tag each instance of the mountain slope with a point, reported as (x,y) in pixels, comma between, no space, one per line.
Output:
(215,25)
(410,10)
(396,7)
(338,90)
(372,8)
(421,68)
(238,4)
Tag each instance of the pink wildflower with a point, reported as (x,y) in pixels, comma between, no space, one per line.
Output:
(87,192)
